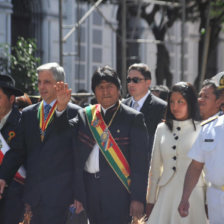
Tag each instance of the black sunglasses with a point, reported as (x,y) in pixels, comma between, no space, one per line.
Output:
(134,80)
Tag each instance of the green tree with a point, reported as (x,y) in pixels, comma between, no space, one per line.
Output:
(21,64)
(196,10)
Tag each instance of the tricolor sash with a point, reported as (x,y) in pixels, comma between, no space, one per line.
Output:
(4,147)
(108,146)
(44,123)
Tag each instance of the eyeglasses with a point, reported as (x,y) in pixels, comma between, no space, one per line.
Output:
(134,80)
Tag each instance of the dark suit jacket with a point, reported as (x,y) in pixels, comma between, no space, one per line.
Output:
(49,164)
(11,124)
(14,192)
(153,110)
(130,133)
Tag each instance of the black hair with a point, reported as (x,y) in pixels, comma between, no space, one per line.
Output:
(142,68)
(105,73)
(7,92)
(190,95)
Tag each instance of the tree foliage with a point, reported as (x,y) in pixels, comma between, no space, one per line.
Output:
(21,64)
(195,10)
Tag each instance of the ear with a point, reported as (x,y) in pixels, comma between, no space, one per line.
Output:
(12,99)
(148,82)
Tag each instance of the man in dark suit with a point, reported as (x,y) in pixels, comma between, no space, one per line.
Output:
(46,151)
(111,166)
(153,108)
(9,118)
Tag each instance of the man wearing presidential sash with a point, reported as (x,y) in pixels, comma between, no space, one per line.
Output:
(111,166)
(46,151)
(9,118)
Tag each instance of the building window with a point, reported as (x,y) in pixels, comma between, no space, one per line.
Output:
(97,20)
(97,55)
(97,36)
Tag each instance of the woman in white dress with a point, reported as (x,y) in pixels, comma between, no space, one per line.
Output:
(173,139)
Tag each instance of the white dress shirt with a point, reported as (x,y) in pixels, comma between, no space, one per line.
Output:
(141,101)
(4,119)
(92,163)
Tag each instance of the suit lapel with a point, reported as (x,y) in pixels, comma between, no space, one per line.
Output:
(128,102)
(147,104)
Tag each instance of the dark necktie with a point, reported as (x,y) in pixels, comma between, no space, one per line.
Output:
(47,108)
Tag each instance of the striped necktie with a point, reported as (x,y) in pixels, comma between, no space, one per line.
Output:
(47,108)
(135,105)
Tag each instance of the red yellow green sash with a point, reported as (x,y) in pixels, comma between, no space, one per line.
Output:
(44,124)
(108,145)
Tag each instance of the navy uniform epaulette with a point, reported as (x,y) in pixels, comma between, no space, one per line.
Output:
(209,120)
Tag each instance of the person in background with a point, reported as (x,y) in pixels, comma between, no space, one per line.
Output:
(23,101)
(209,100)
(112,145)
(160,91)
(46,151)
(173,140)
(82,101)
(11,205)
(219,79)
(153,108)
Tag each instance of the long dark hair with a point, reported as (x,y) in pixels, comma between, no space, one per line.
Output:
(189,94)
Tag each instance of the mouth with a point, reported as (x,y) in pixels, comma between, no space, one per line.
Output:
(107,97)
(43,93)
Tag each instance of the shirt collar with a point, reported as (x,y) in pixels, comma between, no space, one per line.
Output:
(141,101)
(51,104)
(105,110)
(4,119)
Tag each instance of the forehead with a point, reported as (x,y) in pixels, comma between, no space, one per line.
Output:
(135,73)
(1,91)
(105,83)
(176,95)
(45,75)
(207,90)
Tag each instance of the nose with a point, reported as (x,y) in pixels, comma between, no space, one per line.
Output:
(105,91)
(40,85)
(174,106)
(200,99)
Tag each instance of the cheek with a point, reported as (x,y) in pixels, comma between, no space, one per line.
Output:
(186,110)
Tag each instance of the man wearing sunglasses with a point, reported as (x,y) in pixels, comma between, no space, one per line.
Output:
(153,108)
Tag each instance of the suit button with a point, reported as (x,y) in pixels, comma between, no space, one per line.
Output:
(174,147)
(176,137)
(178,128)
(174,168)
(174,157)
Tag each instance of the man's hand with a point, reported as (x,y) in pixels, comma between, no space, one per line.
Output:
(79,207)
(63,94)
(2,187)
(136,209)
(183,208)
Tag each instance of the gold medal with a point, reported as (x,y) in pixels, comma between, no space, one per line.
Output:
(42,137)
(105,135)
